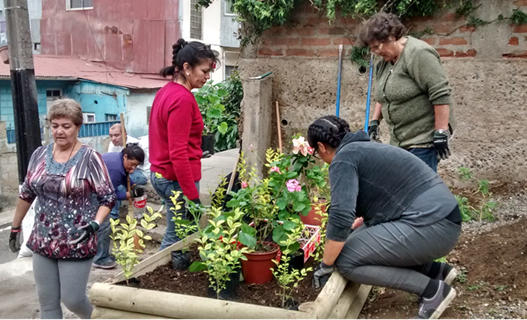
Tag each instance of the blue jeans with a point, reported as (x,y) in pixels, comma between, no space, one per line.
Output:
(103,234)
(138,177)
(164,188)
(428,155)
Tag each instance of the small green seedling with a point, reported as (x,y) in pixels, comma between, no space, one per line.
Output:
(126,255)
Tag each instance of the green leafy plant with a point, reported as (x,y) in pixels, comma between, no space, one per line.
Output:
(183,225)
(462,276)
(209,98)
(231,115)
(288,278)
(487,205)
(219,251)
(123,236)
(319,251)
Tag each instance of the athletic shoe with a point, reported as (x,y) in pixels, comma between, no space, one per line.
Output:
(447,273)
(110,264)
(433,308)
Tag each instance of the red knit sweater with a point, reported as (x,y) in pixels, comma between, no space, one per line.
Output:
(175,137)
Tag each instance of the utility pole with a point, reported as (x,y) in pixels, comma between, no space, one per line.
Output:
(23,86)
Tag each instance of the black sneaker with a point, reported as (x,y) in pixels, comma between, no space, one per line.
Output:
(433,308)
(447,273)
(110,264)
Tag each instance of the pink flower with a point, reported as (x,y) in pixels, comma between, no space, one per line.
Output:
(244,184)
(301,145)
(293,185)
(310,150)
(275,169)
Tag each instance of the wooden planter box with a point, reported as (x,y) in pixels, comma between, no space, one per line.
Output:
(339,299)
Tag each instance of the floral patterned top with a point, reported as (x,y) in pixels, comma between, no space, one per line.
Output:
(65,200)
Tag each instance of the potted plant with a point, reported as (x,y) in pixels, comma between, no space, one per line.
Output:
(272,204)
(312,176)
(220,253)
(209,99)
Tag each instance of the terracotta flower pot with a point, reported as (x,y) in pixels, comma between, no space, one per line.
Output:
(257,268)
(313,218)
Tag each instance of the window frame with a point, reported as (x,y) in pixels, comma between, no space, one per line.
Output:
(228,14)
(69,8)
(85,116)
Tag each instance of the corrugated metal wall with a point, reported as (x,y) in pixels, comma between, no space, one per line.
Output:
(133,35)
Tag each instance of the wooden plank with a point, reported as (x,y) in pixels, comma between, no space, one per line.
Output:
(329,296)
(345,301)
(358,302)
(172,305)
(156,260)
(107,313)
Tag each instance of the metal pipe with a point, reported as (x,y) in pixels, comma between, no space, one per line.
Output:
(366,122)
(339,79)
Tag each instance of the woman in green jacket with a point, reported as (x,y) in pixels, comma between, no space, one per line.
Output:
(412,91)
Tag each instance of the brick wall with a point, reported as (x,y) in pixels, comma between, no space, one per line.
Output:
(310,35)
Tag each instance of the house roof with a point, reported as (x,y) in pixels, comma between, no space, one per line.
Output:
(49,67)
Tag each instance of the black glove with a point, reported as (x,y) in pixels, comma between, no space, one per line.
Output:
(137,191)
(441,144)
(373,130)
(322,274)
(14,239)
(84,232)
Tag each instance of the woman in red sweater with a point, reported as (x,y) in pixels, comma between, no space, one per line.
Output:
(176,126)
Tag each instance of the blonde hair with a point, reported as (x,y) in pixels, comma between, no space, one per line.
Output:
(66,108)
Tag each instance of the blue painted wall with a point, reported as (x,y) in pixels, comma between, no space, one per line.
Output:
(100,99)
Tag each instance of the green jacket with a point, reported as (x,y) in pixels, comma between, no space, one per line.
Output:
(409,93)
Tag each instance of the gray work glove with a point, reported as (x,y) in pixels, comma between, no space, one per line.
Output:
(14,239)
(84,232)
(441,144)
(373,130)
(322,274)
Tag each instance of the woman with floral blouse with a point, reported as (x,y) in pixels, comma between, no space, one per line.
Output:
(64,176)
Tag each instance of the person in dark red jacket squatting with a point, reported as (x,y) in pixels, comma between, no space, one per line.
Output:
(176,126)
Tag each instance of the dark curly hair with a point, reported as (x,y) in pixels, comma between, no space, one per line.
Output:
(134,152)
(192,53)
(330,130)
(380,27)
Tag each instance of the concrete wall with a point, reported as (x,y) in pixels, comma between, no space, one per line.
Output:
(137,114)
(486,68)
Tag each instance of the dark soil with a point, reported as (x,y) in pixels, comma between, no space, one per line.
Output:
(165,278)
(493,274)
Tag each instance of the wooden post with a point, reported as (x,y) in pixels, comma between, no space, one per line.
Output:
(108,313)
(358,302)
(173,305)
(279,127)
(345,300)
(329,296)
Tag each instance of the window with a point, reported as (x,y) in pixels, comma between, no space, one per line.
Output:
(88,117)
(195,20)
(110,117)
(228,71)
(53,94)
(228,8)
(148,111)
(79,4)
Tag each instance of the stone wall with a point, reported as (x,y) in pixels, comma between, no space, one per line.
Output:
(485,65)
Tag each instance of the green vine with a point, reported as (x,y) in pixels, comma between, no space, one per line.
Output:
(257,16)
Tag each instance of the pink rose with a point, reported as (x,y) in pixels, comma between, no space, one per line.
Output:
(244,184)
(275,169)
(310,150)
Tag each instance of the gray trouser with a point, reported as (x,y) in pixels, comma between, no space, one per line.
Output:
(64,280)
(395,254)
